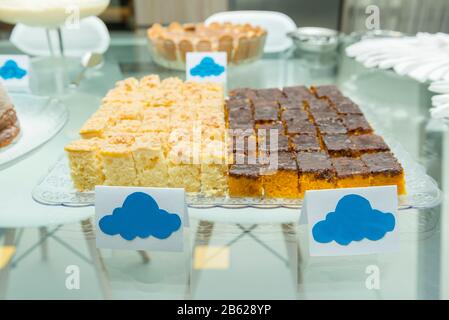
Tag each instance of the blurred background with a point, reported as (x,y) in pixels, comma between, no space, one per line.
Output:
(409,16)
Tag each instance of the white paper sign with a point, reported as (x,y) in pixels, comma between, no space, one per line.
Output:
(15,72)
(206,67)
(138,218)
(351,221)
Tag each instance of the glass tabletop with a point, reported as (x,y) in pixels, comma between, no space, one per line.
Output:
(52,252)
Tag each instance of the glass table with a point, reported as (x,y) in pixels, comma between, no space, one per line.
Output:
(48,252)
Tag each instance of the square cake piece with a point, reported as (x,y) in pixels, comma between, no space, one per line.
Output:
(291,104)
(356,124)
(245,181)
(282,182)
(184,166)
(243,93)
(242,140)
(385,170)
(276,127)
(270,94)
(244,125)
(323,114)
(329,91)
(150,162)
(118,162)
(266,111)
(318,105)
(263,115)
(346,106)
(233,104)
(240,115)
(273,143)
(368,143)
(305,143)
(315,171)
(330,126)
(214,167)
(86,168)
(351,172)
(298,126)
(294,114)
(339,145)
(297,92)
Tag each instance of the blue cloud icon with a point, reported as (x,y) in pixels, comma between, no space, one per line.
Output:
(10,70)
(140,216)
(353,220)
(207,67)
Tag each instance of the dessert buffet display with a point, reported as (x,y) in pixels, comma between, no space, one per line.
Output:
(242,43)
(260,143)
(9,124)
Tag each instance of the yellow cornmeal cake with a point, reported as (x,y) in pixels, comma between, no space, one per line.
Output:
(85,164)
(154,133)
(214,169)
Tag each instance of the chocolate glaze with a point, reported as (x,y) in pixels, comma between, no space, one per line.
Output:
(245,170)
(338,145)
(369,143)
(265,143)
(298,126)
(243,93)
(240,140)
(318,105)
(305,142)
(348,167)
(287,104)
(291,114)
(232,104)
(346,106)
(297,91)
(265,104)
(323,114)
(356,123)
(287,161)
(240,115)
(329,91)
(317,163)
(242,126)
(270,94)
(382,162)
(266,114)
(331,126)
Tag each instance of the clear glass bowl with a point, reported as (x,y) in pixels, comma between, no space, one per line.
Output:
(168,54)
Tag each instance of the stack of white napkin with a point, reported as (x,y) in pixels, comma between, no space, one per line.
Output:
(424,57)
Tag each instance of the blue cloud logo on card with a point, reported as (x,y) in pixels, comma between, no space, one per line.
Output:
(11,70)
(140,216)
(206,68)
(353,220)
